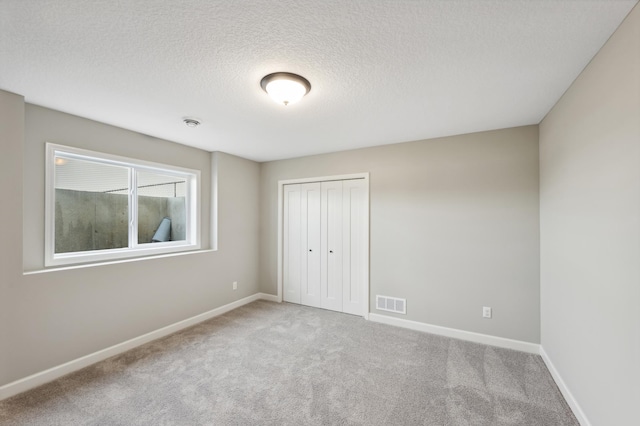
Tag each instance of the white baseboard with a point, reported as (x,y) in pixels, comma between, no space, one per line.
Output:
(269,297)
(568,396)
(486,339)
(53,373)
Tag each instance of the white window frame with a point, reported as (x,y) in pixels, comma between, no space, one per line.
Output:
(135,249)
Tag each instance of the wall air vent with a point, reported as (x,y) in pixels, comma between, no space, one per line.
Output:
(391,304)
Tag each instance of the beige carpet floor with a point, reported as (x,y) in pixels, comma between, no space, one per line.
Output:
(283,364)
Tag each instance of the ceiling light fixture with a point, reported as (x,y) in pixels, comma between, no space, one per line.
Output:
(191,122)
(284,87)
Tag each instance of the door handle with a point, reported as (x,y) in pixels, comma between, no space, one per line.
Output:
(330,251)
(310,250)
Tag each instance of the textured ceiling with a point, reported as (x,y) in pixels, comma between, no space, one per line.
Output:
(381,71)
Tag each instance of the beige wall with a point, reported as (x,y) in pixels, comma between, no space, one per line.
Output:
(57,316)
(590,231)
(454,226)
(11,135)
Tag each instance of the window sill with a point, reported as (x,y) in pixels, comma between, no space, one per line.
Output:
(114,262)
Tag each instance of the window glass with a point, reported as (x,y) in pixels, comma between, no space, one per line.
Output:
(91,211)
(162,210)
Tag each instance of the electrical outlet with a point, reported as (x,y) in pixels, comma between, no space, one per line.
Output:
(235,285)
(486,312)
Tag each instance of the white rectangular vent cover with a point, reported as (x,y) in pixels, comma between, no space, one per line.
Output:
(391,304)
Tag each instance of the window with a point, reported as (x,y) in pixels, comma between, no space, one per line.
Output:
(104,207)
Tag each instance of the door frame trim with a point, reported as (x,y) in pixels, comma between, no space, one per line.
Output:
(352,176)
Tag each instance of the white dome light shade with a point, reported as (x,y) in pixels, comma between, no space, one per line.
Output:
(285,88)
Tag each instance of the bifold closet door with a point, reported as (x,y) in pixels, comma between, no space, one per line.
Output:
(354,251)
(301,280)
(292,249)
(325,252)
(310,244)
(331,241)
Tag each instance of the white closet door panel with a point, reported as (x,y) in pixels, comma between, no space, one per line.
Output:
(310,246)
(292,244)
(354,251)
(331,240)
